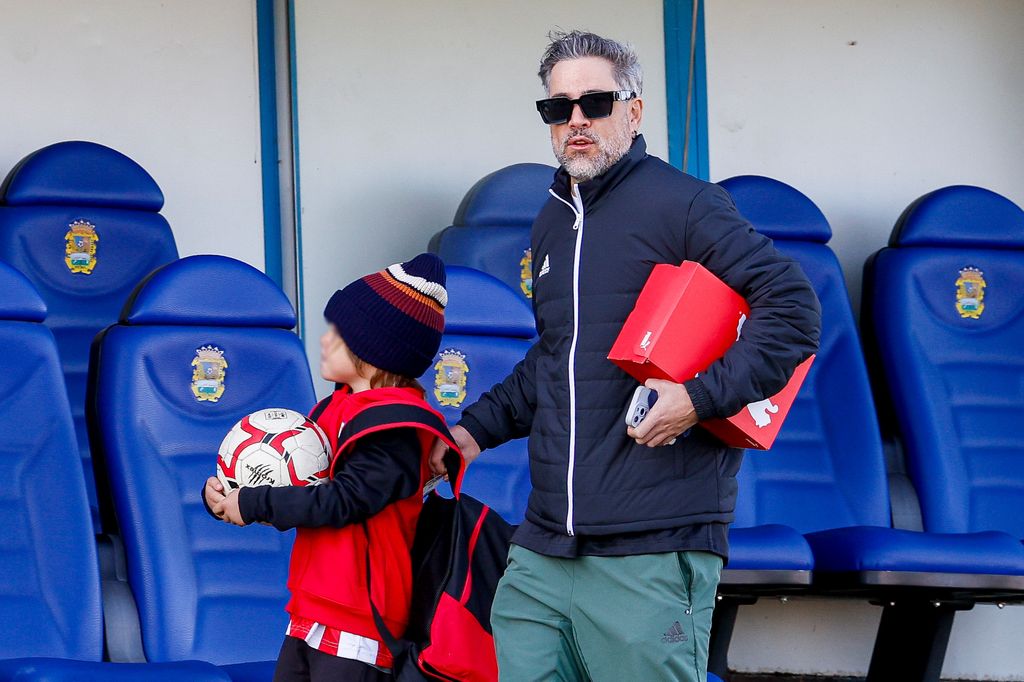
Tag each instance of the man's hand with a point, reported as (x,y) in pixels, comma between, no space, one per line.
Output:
(671,415)
(466,443)
(213,492)
(227,509)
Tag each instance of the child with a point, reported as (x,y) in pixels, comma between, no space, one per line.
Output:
(383,331)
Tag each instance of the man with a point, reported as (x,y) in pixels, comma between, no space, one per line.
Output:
(613,573)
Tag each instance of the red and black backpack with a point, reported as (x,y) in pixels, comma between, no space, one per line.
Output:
(459,554)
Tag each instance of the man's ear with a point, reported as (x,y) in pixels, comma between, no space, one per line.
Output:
(636,113)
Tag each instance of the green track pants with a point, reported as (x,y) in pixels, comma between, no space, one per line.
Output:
(643,617)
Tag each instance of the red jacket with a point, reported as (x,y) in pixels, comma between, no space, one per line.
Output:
(327,576)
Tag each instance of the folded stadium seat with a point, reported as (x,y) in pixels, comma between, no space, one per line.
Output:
(491,228)
(487,332)
(942,312)
(81,221)
(51,623)
(201,342)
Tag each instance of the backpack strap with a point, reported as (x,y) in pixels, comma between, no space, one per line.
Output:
(402,651)
(394,645)
(320,408)
(390,415)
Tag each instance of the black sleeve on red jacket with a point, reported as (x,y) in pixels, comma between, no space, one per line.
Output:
(383,467)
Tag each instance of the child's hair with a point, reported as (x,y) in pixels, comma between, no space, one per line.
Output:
(381,378)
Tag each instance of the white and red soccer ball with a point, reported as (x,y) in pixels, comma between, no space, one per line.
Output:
(275,447)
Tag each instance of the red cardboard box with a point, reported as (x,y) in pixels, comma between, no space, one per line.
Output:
(757,424)
(685,319)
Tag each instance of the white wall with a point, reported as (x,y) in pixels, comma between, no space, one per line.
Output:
(834,637)
(170,84)
(403,105)
(864,105)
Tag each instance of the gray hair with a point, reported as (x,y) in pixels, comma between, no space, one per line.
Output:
(579,44)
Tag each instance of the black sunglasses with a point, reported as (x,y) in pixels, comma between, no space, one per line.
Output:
(593,105)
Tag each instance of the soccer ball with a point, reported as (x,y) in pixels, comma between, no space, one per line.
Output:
(276,447)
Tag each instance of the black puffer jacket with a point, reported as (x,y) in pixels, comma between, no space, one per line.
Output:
(589,266)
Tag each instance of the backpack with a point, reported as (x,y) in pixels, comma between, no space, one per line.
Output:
(459,554)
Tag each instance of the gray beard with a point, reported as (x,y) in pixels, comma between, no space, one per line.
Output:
(609,151)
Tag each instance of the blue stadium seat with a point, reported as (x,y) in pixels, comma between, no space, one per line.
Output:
(201,342)
(487,332)
(826,475)
(81,221)
(808,481)
(942,315)
(50,578)
(945,305)
(57,670)
(491,228)
(51,621)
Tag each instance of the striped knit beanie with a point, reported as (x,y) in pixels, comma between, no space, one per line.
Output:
(393,319)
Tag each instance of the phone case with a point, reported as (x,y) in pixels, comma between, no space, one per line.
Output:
(642,402)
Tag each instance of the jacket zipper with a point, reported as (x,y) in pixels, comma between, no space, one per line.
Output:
(578,227)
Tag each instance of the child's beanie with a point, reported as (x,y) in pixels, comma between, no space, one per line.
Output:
(393,319)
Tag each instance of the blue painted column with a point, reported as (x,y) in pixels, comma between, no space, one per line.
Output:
(686,77)
(268,139)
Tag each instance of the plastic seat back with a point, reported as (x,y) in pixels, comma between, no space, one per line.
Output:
(826,469)
(487,332)
(49,577)
(945,303)
(81,221)
(491,228)
(202,342)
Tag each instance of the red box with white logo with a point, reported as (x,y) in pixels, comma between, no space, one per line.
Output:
(757,424)
(684,319)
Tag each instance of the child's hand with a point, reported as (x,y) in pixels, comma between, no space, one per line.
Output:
(227,509)
(213,491)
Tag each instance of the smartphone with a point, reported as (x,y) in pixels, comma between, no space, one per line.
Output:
(642,402)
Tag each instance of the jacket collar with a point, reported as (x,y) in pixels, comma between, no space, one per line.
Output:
(594,190)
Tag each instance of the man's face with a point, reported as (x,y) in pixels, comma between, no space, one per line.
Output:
(588,147)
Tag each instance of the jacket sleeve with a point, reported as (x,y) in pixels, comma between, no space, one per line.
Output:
(382,468)
(784,324)
(506,411)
